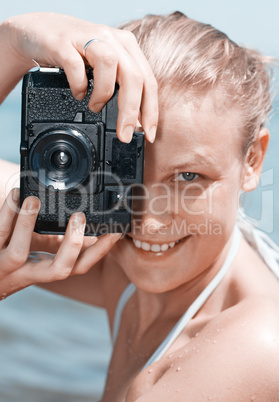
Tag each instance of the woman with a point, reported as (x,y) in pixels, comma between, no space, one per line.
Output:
(192,306)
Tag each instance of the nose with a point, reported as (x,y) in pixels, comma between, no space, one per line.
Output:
(154,225)
(152,210)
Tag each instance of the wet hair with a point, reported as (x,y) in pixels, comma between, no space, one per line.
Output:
(186,55)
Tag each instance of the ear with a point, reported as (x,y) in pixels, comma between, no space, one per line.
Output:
(254,161)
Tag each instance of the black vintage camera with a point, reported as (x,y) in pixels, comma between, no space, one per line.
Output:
(72,159)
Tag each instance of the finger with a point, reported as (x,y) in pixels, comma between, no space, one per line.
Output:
(72,63)
(104,61)
(69,250)
(88,241)
(95,253)
(130,82)
(18,249)
(111,65)
(149,102)
(8,213)
(149,109)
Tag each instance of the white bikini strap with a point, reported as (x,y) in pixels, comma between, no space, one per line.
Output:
(261,243)
(129,290)
(197,304)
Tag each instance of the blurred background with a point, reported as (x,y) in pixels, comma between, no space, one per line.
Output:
(55,349)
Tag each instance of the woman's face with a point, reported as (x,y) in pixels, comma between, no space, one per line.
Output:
(186,211)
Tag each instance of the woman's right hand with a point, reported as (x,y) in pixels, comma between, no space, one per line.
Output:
(18,270)
(58,40)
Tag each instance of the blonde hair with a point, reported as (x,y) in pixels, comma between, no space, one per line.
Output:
(188,55)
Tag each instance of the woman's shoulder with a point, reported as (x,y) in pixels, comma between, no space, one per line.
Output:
(235,357)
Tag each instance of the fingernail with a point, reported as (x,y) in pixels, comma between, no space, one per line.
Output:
(127,134)
(80,96)
(116,235)
(97,107)
(77,223)
(152,134)
(31,205)
(79,218)
(16,194)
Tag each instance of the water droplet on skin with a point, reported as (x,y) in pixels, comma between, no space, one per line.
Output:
(150,371)
(218,329)
(214,341)
(169,356)
(171,365)
(197,334)
(178,369)
(253,397)
(180,356)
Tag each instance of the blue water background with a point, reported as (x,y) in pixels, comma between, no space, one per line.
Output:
(53,349)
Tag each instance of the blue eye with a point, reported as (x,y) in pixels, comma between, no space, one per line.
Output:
(187,176)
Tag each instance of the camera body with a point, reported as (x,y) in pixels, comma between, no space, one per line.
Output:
(71,158)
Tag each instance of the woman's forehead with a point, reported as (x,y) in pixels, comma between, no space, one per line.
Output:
(198,127)
(199,115)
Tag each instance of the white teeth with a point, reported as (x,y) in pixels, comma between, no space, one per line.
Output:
(145,246)
(156,248)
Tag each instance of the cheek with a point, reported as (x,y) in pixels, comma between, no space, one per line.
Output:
(216,201)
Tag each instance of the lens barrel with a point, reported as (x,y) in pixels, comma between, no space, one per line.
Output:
(61,159)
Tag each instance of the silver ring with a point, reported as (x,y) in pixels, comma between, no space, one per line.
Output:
(88,43)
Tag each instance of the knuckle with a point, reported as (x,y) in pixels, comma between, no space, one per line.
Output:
(77,243)
(61,272)
(137,77)
(28,224)
(4,233)
(129,37)
(108,59)
(105,94)
(16,257)
(133,112)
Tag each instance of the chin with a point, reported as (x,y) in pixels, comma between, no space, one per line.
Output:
(153,266)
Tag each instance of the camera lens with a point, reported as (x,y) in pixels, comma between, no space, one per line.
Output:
(62,158)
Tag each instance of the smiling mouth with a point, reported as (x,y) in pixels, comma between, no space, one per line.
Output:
(156,248)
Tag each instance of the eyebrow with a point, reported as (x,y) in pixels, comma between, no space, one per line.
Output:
(192,162)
